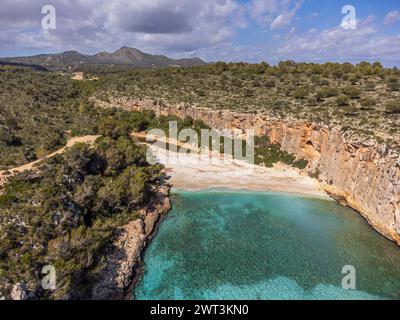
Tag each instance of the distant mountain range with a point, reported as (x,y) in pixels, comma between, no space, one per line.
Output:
(127,57)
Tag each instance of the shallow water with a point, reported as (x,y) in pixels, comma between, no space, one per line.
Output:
(245,245)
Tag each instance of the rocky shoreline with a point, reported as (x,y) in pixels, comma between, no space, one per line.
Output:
(124,259)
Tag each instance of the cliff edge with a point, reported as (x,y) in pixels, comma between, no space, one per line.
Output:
(362,174)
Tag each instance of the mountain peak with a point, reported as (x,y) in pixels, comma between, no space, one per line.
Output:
(71,52)
(130,57)
(128,49)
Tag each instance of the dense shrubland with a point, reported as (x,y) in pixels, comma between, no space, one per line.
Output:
(39,111)
(267,154)
(361,97)
(68,211)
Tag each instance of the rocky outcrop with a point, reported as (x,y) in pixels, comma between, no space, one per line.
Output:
(363,174)
(124,258)
(19,292)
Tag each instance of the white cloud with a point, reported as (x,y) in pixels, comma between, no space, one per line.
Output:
(91,25)
(368,20)
(274,13)
(286,18)
(189,27)
(365,43)
(176,25)
(313,15)
(392,17)
(338,44)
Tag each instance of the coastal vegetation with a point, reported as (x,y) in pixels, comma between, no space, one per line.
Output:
(267,154)
(39,111)
(361,98)
(67,211)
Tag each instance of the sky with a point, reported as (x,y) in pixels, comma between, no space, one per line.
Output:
(228,30)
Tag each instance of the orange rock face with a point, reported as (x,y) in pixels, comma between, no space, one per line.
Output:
(368,181)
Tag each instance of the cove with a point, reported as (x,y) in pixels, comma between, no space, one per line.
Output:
(219,244)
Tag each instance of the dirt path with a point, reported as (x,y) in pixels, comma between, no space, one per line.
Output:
(28,166)
(85,139)
(203,169)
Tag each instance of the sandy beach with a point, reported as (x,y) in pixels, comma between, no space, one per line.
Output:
(199,170)
(206,170)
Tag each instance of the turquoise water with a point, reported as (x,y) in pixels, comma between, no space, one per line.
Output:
(242,245)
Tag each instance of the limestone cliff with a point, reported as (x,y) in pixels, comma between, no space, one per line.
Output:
(124,258)
(363,174)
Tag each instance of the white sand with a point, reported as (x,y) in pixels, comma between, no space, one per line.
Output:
(206,170)
(197,171)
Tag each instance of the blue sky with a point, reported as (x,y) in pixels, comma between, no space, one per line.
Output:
(321,15)
(230,30)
